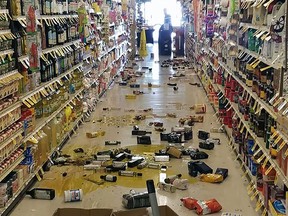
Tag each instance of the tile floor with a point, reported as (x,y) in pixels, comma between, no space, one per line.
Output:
(231,194)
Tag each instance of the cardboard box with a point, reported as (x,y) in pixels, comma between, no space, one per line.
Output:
(82,212)
(164,211)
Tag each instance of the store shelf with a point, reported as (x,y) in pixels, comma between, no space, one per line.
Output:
(267,107)
(10,108)
(266,61)
(59,47)
(6,52)
(11,138)
(11,167)
(44,121)
(252,179)
(29,179)
(256,27)
(47,84)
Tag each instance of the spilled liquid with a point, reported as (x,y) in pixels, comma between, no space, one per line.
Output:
(89,180)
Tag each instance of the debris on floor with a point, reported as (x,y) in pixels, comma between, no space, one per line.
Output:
(95,134)
(202,207)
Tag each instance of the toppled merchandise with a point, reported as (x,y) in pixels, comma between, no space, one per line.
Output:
(137,92)
(203,135)
(198,155)
(198,166)
(130,96)
(146,140)
(199,108)
(112,142)
(136,200)
(212,178)
(95,134)
(140,132)
(202,207)
(140,117)
(206,145)
(134,85)
(222,171)
(172,84)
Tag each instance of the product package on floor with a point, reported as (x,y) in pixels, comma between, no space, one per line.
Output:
(164,211)
(198,166)
(82,212)
(202,207)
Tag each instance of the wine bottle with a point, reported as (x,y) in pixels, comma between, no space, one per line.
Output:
(128,173)
(49,35)
(109,178)
(65,6)
(47,7)
(42,193)
(140,132)
(134,163)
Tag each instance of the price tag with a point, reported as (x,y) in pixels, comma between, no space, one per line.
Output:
(254,146)
(242,129)
(230,143)
(282,145)
(258,206)
(276,179)
(274,134)
(286,152)
(245,173)
(255,104)
(238,155)
(277,140)
(265,162)
(249,186)
(33,99)
(38,176)
(239,125)
(42,171)
(260,158)
(26,103)
(14,141)
(246,135)
(256,152)
(249,98)
(251,189)
(242,165)
(254,195)
(269,170)
(30,101)
(264,212)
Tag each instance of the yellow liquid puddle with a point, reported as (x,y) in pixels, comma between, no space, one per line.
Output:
(76,175)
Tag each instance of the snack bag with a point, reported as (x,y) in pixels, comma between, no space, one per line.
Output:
(189,202)
(204,207)
(212,178)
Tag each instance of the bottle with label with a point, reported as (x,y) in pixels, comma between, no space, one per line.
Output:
(142,165)
(47,7)
(42,193)
(65,6)
(49,39)
(129,173)
(170,179)
(109,178)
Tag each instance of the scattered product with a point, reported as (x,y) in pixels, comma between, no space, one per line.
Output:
(136,200)
(202,207)
(112,142)
(73,195)
(42,193)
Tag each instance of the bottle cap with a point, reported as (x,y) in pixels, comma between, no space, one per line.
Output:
(139,174)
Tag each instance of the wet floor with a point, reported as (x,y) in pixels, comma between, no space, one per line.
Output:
(118,123)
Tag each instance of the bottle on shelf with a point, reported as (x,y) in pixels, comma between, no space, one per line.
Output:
(42,193)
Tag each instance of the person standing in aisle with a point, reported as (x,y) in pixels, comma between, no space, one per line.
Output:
(167,17)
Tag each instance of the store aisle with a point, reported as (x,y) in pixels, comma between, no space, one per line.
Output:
(117,124)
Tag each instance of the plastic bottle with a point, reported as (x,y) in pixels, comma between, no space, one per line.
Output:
(73,195)
(42,193)
(128,173)
(109,178)
(170,179)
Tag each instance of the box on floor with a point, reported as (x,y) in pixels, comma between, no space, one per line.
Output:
(164,211)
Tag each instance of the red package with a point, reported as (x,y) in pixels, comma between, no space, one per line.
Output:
(189,203)
(204,207)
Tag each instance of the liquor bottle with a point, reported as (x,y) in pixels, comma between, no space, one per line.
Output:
(54,9)
(47,7)
(43,7)
(128,173)
(109,178)
(65,6)
(59,34)
(68,30)
(42,193)
(43,70)
(140,132)
(134,163)
(49,39)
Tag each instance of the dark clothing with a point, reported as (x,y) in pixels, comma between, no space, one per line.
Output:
(167,19)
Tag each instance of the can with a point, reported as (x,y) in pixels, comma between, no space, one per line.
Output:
(73,195)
